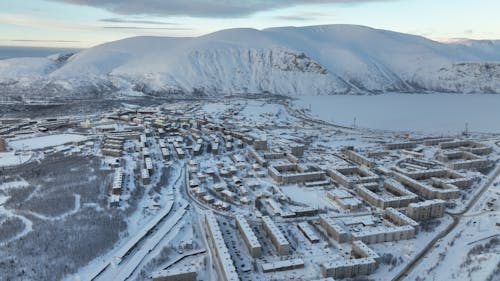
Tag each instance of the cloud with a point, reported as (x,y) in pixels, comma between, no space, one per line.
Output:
(301,17)
(45,41)
(146,28)
(136,21)
(202,8)
(30,21)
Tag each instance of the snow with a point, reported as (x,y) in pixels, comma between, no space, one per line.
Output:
(45,141)
(11,159)
(13,184)
(28,225)
(310,196)
(452,259)
(11,69)
(430,113)
(329,59)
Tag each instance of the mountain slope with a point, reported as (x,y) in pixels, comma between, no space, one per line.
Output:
(331,59)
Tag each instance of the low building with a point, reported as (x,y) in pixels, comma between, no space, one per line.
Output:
(145,177)
(227,270)
(358,158)
(427,191)
(308,232)
(426,210)
(344,199)
(371,235)
(181,274)
(260,144)
(400,145)
(251,241)
(3,145)
(399,218)
(333,229)
(389,194)
(117,186)
(277,237)
(282,265)
(293,173)
(253,154)
(350,175)
(297,150)
(348,268)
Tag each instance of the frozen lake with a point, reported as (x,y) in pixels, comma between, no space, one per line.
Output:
(430,113)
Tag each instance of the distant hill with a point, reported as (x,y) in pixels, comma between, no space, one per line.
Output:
(8,52)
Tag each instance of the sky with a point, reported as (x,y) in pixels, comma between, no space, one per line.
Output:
(86,23)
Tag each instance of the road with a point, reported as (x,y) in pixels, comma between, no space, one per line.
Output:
(124,269)
(301,116)
(140,239)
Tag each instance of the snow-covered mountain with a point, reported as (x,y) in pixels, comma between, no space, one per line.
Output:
(330,59)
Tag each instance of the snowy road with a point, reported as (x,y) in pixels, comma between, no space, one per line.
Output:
(124,269)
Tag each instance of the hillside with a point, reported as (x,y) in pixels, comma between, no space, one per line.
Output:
(323,60)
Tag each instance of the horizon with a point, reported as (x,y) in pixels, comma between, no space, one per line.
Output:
(83,24)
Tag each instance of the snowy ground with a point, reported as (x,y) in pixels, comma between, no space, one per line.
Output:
(44,141)
(472,250)
(11,159)
(431,113)
(159,246)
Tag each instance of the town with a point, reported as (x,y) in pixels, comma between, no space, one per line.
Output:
(253,190)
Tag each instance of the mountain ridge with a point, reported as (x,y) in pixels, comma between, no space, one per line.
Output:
(292,61)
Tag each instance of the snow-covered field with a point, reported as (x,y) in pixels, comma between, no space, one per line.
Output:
(44,141)
(430,113)
(11,159)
